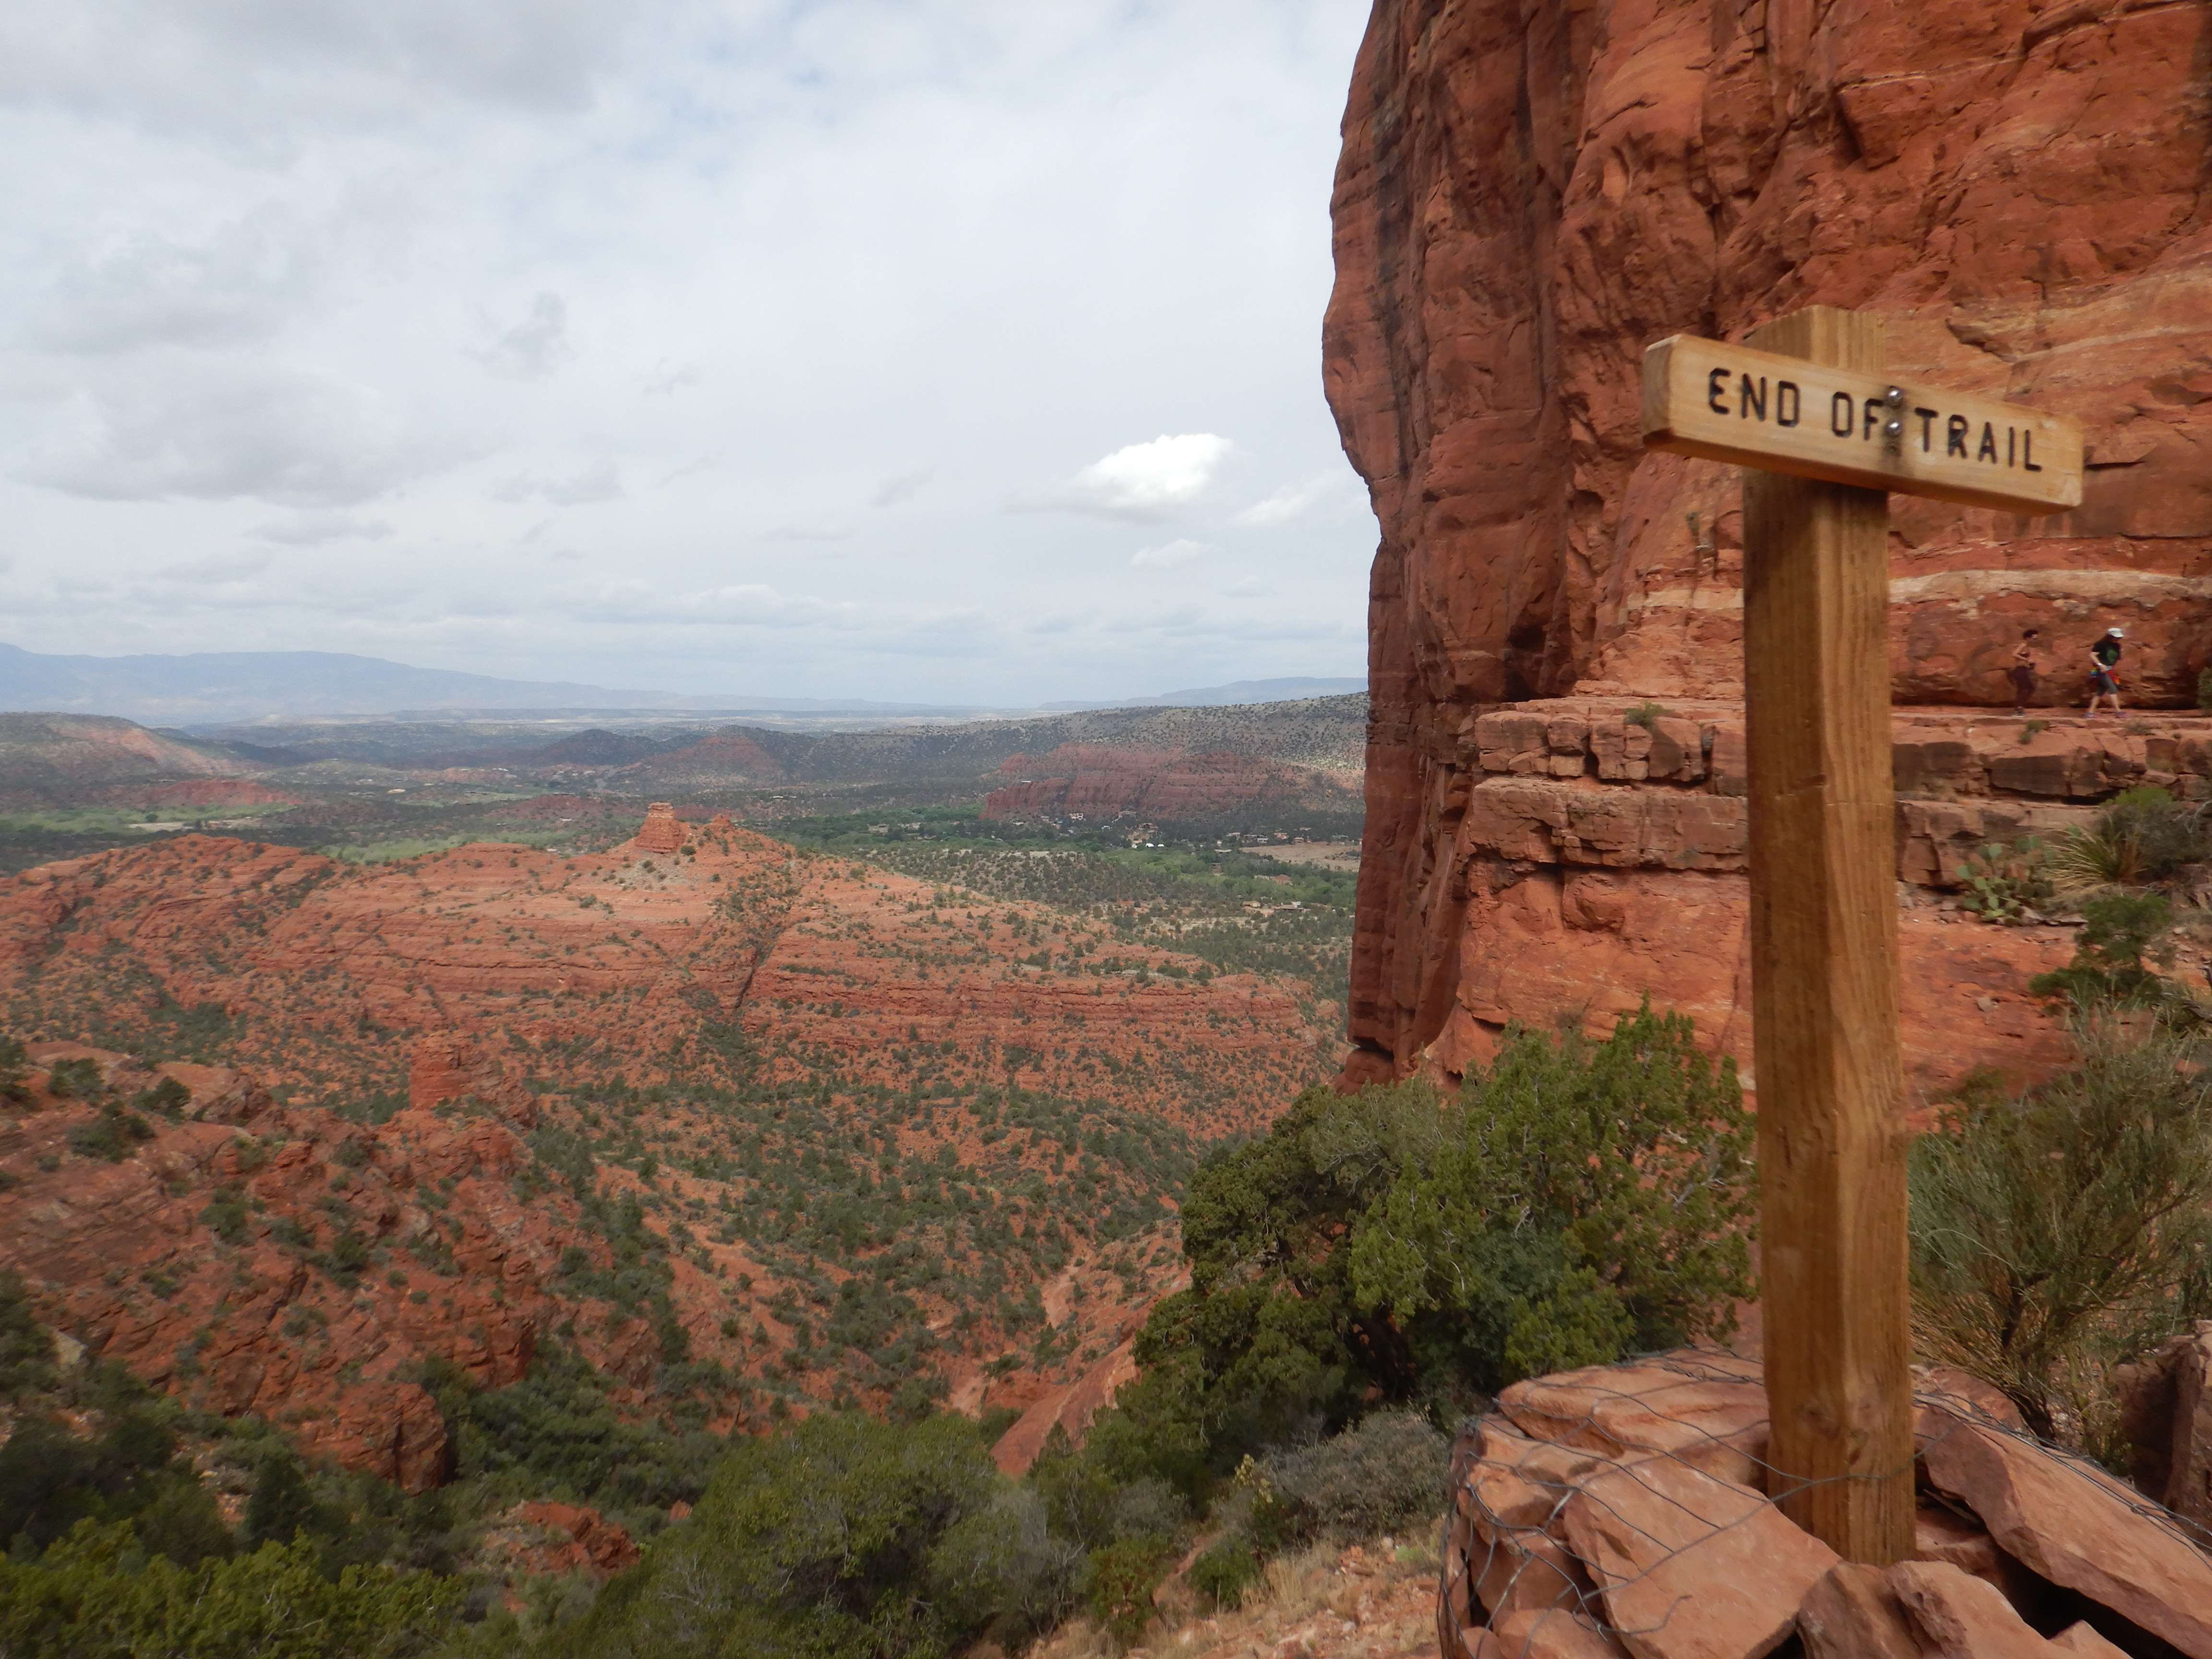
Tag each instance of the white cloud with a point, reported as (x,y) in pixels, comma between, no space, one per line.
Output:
(742,605)
(192,427)
(266,77)
(233,568)
(852,272)
(535,348)
(1141,482)
(1290,502)
(1167,554)
(595,481)
(312,529)
(696,463)
(900,487)
(812,529)
(665,381)
(238,286)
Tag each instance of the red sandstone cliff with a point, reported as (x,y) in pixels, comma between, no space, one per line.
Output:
(1528,196)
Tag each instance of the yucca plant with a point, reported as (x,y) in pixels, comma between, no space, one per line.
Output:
(2145,835)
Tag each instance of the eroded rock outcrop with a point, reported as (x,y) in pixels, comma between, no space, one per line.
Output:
(1529,195)
(394,1172)
(490,944)
(213,1259)
(661,832)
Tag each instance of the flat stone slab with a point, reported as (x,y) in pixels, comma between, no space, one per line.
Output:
(2076,1526)
(1691,1567)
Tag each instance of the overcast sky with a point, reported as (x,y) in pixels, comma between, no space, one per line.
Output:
(956,350)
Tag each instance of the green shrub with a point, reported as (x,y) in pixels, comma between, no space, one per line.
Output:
(349,1254)
(816,1542)
(169,1097)
(1645,714)
(14,1071)
(26,1347)
(2060,1233)
(284,1504)
(1574,1201)
(52,1476)
(2118,930)
(1226,1570)
(226,1215)
(2143,837)
(2204,690)
(561,1429)
(1119,1580)
(96,1595)
(111,1135)
(1382,1476)
(1001,1570)
(74,1080)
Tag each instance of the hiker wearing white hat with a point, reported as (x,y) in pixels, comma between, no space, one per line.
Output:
(2104,670)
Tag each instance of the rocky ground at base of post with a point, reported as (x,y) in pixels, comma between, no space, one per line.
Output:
(1628,1509)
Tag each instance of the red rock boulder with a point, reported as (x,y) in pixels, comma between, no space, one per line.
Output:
(1624,1509)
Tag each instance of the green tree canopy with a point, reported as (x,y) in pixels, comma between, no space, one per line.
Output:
(96,1594)
(1573,1201)
(819,1543)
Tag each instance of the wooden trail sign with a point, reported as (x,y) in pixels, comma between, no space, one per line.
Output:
(1768,410)
(1823,866)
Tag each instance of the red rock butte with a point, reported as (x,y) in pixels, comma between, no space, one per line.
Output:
(1528,197)
(661,832)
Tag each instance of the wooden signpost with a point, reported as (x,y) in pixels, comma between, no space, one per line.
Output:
(1822,433)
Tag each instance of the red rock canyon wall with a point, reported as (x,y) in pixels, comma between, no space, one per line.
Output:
(1529,193)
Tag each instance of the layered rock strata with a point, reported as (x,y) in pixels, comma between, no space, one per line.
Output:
(125,1261)
(202,1256)
(1567,860)
(1528,196)
(636,956)
(661,832)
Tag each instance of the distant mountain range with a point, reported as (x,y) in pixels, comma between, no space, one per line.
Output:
(224,687)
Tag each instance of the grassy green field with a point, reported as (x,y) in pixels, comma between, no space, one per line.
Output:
(408,846)
(103,820)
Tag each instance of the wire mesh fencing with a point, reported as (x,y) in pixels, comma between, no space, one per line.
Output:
(1631,1509)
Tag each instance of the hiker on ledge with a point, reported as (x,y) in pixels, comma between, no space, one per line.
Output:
(2104,682)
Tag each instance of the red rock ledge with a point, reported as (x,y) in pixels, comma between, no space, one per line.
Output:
(1623,1509)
